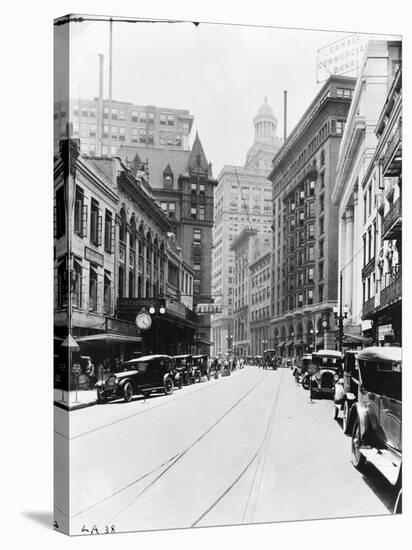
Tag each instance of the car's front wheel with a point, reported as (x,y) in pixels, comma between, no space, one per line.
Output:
(101,398)
(358,460)
(345,418)
(128,392)
(168,386)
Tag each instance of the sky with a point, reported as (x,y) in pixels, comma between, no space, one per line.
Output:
(220,73)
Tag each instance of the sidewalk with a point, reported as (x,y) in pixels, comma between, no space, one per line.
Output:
(67,400)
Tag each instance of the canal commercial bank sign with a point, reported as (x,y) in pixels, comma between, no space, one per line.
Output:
(341,57)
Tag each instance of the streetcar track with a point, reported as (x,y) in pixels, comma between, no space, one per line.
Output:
(170,462)
(166,402)
(248,465)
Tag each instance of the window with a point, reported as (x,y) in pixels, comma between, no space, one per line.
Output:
(164,206)
(300,300)
(310,275)
(135,117)
(93,289)
(60,213)
(162,139)
(201,212)
(108,231)
(197,237)
(193,212)
(321,203)
(193,187)
(76,284)
(62,285)
(320,291)
(170,139)
(311,188)
(142,136)
(320,271)
(107,292)
(322,180)
(122,133)
(196,265)
(150,138)
(310,253)
(321,226)
(114,114)
(172,209)
(95,223)
(369,243)
(162,120)
(170,120)
(340,125)
(196,286)
(122,114)
(92,130)
(142,116)
(310,296)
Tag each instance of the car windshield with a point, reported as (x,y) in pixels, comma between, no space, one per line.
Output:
(327,362)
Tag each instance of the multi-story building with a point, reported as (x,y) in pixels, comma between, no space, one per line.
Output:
(382,199)
(129,124)
(182,182)
(260,286)
(305,232)
(358,184)
(243,198)
(115,255)
(247,246)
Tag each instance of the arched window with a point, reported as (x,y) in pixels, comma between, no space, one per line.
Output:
(156,252)
(133,234)
(149,247)
(121,281)
(131,283)
(122,235)
(141,240)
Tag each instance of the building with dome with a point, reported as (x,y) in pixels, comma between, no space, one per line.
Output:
(243,198)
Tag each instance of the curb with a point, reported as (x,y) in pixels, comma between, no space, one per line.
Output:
(63,405)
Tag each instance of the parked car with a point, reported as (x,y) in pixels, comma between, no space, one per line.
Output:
(138,376)
(346,388)
(183,366)
(201,367)
(375,419)
(300,369)
(328,365)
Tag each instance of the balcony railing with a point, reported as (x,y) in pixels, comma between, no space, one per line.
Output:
(393,289)
(392,166)
(368,307)
(392,222)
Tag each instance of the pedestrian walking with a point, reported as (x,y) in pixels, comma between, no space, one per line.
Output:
(90,372)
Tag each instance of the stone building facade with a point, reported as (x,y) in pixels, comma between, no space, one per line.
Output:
(382,273)
(260,288)
(305,232)
(247,246)
(242,199)
(357,189)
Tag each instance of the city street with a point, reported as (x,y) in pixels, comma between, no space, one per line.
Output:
(246,448)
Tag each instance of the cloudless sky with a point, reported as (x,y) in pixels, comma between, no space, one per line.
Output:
(220,73)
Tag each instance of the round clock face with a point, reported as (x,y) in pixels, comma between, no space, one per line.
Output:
(143,321)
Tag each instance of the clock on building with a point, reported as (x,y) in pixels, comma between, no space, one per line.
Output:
(143,321)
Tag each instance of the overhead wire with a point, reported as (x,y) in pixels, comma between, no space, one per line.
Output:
(213,89)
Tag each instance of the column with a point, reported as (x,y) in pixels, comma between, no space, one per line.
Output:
(348,271)
(357,269)
(127,261)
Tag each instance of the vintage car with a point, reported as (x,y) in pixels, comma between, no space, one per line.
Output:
(375,419)
(138,376)
(328,366)
(201,367)
(183,366)
(300,370)
(346,388)
(270,359)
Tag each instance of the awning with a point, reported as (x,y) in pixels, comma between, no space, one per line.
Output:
(290,343)
(281,344)
(204,341)
(357,338)
(107,337)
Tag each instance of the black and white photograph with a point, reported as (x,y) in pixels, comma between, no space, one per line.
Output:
(227,273)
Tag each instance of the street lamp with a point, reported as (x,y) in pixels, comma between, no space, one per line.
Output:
(340,314)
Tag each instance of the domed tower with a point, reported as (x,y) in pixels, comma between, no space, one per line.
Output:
(266,143)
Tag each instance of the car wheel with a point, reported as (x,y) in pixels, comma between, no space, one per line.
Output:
(168,386)
(335,412)
(198,377)
(101,398)
(128,392)
(398,504)
(345,418)
(306,383)
(358,460)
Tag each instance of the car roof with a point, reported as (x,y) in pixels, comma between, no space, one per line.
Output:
(199,356)
(376,353)
(145,358)
(328,352)
(182,356)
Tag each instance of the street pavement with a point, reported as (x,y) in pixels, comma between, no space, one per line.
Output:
(247,448)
